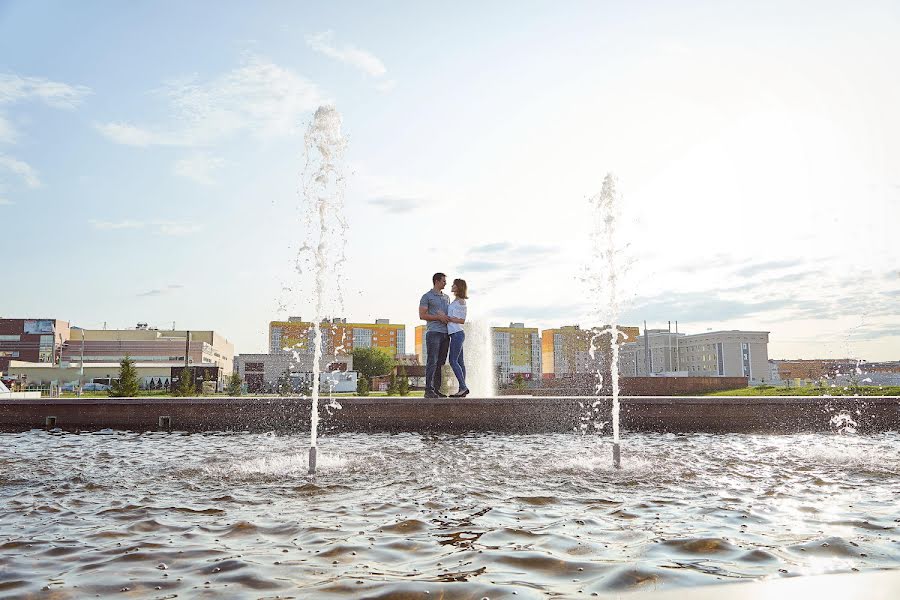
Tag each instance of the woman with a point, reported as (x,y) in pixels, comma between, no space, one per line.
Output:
(456,316)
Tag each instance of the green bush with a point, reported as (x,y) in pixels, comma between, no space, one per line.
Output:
(185,385)
(234,384)
(403,384)
(127,384)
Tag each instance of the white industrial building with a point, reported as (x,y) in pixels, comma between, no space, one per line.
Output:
(711,354)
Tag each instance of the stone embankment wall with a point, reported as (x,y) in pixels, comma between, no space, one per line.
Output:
(585,385)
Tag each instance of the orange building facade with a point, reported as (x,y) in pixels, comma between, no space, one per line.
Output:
(339,337)
(566,350)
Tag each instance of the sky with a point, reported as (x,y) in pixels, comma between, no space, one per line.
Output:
(151,156)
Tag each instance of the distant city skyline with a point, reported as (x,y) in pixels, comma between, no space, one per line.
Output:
(150,160)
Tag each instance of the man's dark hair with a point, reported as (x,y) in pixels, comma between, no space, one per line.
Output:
(436,276)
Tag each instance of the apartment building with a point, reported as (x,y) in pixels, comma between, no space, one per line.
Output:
(567,350)
(339,337)
(517,351)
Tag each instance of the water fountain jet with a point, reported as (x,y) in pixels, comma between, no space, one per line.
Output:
(604,273)
(323,199)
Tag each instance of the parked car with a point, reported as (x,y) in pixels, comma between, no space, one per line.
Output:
(88,387)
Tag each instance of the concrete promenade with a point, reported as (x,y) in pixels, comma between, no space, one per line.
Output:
(508,414)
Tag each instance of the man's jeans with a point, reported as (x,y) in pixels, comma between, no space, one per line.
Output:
(456,358)
(437,345)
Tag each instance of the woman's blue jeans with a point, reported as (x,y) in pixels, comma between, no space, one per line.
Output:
(456,358)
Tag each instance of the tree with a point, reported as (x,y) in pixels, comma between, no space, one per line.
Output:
(362,387)
(234,384)
(403,384)
(372,362)
(519,382)
(128,383)
(185,385)
(283,386)
(393,390)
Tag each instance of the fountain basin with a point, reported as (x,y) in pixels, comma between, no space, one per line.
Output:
(511,414)
(427,515)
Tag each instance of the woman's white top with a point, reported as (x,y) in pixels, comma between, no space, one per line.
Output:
(457,310)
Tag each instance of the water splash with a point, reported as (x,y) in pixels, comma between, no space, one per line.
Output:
(479,359)
(603,277)
(323,251)
(844,424)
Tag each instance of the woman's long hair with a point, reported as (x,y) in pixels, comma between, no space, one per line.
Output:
(461,288)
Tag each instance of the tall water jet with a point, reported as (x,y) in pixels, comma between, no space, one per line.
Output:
(603,276)
(326,239)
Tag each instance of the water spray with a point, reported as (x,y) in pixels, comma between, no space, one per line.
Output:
(605,247)
(323,194)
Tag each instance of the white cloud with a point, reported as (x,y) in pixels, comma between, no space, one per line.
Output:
(7,131)
(132,135)
(199,168)
(161,291)
(14,88)
(386,86)
(171,228)
(363,60)
(258,97)
(395,204)
(21,168)
(111,225)
(177,229)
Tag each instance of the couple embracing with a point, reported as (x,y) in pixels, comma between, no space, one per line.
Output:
(444,334)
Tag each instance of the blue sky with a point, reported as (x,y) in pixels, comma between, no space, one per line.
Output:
(150,156)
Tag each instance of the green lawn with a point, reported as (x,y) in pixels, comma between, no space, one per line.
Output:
(765,390)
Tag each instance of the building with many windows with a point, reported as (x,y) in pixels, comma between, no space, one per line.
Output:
(149,345)
(517,351)
(567,350)
(711,354)
(339,337)
(93,356)
(31,340)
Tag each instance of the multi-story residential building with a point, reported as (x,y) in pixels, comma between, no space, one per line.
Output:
(517,351)
(715,353)
(339,337)
(421,350)
(567,350)
(31,340)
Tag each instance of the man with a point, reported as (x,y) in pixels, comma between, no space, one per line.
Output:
(433,308)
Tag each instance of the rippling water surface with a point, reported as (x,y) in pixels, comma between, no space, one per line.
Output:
(423,516)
